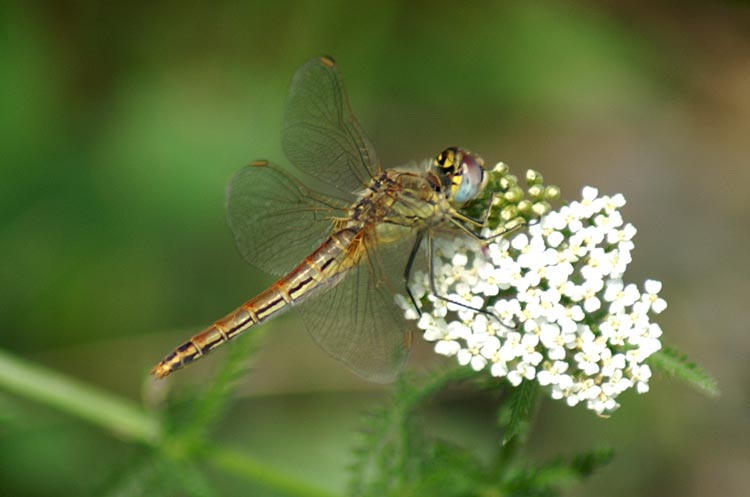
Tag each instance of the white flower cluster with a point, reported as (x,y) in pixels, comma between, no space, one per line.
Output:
(556,308)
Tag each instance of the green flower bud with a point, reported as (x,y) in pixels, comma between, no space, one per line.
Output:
(533,177)
(514,195)
(551,192)
(536,191)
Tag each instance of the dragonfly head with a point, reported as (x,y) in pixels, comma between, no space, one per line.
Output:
(461,174)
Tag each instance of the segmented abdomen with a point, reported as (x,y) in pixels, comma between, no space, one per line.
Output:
(323,267)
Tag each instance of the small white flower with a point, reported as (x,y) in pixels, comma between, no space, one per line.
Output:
(592,304)
(499,369)
(640,374)
(602,404)
(619,259)
(522,371)
(568,317)
(616,329)
(651,296)
(490,281)
(620,297)
(574,292)
(615,202)
(471,354)
(625,234)
(520,242)
(555,341)
(589,194)
(439,306)
(611,364)
(404,303)
(598,266)
(589,390)
(531,355)
(447,347)
(555,307)
(557,274)
(459,260)
(587,360)
(554,239)
(458,330)
(554,221)
(608,222)
(512,347)
(588,205)
(490,348)
(552,374)
(460,302)
(507,310)
(654,331)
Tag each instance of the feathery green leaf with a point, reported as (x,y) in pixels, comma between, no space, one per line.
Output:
(676,364)
(518,411)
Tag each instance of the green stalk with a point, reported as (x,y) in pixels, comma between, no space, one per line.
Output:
(244,466)
(96,406)
(131,422)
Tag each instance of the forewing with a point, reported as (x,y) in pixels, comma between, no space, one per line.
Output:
(321,136)
(276,220)
(357,321)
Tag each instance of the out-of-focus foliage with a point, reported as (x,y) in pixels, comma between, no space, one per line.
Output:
(121,123)
(397,458)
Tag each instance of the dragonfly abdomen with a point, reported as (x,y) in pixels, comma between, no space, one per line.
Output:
(321,268)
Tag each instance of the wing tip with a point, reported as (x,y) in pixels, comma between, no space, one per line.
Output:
(327,61)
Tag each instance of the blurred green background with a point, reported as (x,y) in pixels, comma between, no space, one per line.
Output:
(120,125)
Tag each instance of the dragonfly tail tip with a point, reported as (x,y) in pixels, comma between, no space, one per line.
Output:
(160,371)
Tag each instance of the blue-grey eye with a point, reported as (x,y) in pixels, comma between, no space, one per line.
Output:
(471,174)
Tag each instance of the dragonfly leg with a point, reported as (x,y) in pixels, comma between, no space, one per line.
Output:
(408,268)
(433,286)
(459,219)
(482,221)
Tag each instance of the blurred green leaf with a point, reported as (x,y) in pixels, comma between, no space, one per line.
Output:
(517,412)
(389,456)
(676,364)
(551,479)
(212,403)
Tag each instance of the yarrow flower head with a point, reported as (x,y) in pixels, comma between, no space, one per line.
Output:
(546,304)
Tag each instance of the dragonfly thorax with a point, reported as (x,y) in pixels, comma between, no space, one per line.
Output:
(420,199)
(398,198)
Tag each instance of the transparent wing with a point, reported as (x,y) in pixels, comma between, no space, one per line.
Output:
(321,136)
(357,321)
(276,220)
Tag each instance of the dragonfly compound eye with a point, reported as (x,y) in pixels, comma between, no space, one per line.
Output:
(469,178)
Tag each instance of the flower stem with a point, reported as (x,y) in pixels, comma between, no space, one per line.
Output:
(74,397)
(244,466)
(130,421)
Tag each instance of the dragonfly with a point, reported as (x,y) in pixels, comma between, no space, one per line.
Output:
(341,232)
